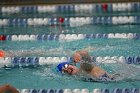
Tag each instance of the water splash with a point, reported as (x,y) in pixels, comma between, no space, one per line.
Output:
(126,71)
(50,73)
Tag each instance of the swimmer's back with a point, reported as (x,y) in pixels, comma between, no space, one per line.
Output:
(86,67)
(97,71)
(92,69)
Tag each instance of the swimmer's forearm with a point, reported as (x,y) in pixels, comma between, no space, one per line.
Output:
(110,75)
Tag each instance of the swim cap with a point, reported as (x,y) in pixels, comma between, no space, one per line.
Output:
(61,66)
(2,53)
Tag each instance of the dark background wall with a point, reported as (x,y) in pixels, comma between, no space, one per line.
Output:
(30,2)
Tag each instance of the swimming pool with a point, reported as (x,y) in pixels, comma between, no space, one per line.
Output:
(114,43)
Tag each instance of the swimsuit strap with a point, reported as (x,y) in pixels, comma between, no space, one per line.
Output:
(106,77)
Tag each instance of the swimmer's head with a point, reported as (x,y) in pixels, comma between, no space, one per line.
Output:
(67,68)
(62,65)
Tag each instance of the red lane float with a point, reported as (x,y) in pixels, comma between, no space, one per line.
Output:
(61,20)
(2,38)
(104,7)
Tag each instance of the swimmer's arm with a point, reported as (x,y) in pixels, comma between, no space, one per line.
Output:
(110,75)
(113,75)
(8,89)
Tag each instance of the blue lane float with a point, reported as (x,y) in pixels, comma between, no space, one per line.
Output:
(117,90)
(126,90)
(29,9)
(36,61)
(76,8)
(65,9)
(105,91)
(133,60)
(136,60)
(129,60)
(22,61)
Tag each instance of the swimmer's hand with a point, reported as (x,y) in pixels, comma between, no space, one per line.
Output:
(114,76)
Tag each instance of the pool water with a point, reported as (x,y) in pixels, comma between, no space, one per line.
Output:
(44,77)
(96,47)
(87,29)
(47,77)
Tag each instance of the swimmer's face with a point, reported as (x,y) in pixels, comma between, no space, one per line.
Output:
(68,69)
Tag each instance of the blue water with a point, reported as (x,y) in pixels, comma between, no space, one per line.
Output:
(87,29)
(96,47)
(47,77)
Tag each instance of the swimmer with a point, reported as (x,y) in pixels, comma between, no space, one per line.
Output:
(86,67)
(8,89)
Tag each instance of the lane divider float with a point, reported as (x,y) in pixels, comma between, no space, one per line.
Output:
(69,37)
(71,21)
(36,61)
(96,90)
(76,8)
